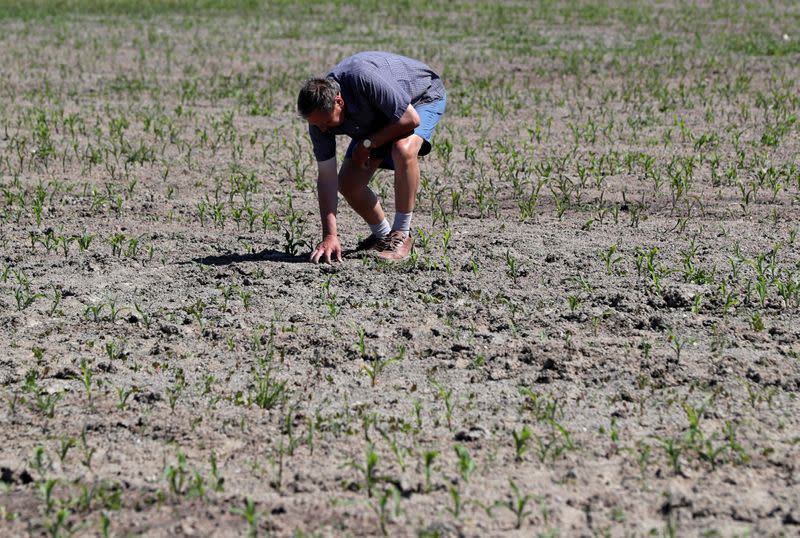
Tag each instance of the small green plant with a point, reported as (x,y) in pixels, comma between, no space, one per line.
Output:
(466,465)
(86,376)
(611,259)
(428,458)
(369,469)
(521,442)
(517,503)
(756,322)
(678,343)
(251,516)
(65,443)
(512,265)
(269,392)
(87,452)
(381,507)
(446,395)
(573,301)
(376,365)
(455,496)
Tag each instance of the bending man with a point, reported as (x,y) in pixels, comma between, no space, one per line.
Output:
(389,105)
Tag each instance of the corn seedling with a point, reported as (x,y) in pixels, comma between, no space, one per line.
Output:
(446,395)
(376,365)
(369,469)
(251,516)
(428,458)
(381,507)
(517,503)
(86,376)
(520,442)
(455,497)
(466,465)
(269,392)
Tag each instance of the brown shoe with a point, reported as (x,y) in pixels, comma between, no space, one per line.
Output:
(367,244)
(394,247)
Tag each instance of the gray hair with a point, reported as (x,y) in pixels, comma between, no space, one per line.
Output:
(317,94)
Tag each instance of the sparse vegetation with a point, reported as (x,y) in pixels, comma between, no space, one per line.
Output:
(603,297)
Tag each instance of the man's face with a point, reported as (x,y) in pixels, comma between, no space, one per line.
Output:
(328,120)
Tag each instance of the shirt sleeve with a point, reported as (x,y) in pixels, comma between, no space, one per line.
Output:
(324,144)
(390,99)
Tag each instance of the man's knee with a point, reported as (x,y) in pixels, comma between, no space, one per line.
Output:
(406,149)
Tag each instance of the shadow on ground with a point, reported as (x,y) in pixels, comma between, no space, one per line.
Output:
(266,255)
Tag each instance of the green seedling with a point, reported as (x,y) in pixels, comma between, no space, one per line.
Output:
(114,311)
(177,475)
(218,483)
(176,390)
(123,394)
(46,402)
(269,392)
(65,443)
(105,525)
(87,452)
(145,316)
(611,259)
(466,465)
(376,365)
(544,408)
(554,444)
(114,350)
(512,265)
(455,496)
(428,458)
(46,489)
(251,516)
(40,464)
(520,442)
(399,451)
(446,395)
(369,469)
(381,507)
(56,301)
(678,343)
(573,301)
(673,449)
(517,504)
(94,311)
(86,376)
(25,297)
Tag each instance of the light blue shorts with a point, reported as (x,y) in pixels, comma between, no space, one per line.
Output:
(429,116)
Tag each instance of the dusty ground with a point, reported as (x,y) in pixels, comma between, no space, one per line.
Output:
(598,334)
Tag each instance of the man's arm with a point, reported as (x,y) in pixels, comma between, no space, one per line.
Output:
(402,127)
(327,194)
(399,129)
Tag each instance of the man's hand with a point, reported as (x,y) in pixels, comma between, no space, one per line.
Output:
(360,155)
(330,249)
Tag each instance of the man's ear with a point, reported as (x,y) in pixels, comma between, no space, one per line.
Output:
(339,100)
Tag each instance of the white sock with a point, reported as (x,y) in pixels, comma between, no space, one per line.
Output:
(381,229)
(402,222)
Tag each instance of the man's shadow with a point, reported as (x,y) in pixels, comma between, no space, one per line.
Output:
(266,255)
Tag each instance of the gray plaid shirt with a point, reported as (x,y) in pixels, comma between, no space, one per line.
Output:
(377,88)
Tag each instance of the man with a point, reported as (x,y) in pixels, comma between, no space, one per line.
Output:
(388,104)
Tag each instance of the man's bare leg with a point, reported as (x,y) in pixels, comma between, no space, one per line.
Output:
(406,172)
(354,186)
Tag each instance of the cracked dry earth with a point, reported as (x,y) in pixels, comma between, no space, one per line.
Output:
(597,335)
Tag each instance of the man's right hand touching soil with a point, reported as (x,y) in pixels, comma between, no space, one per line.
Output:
(329,249)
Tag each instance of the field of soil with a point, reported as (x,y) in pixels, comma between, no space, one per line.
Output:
(598,333)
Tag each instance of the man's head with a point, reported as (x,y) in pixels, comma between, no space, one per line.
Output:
(320,103)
